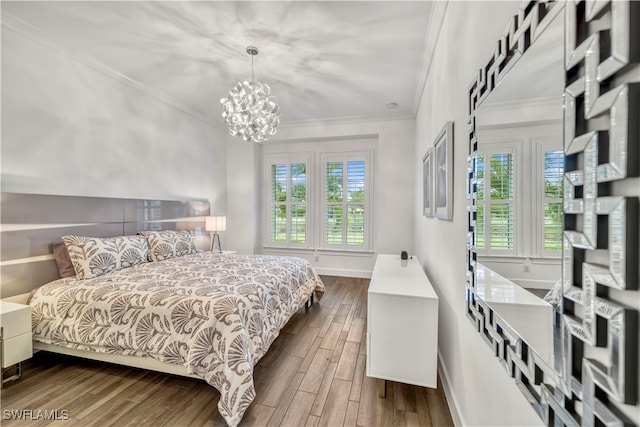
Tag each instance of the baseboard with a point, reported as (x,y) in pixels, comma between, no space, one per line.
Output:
(360,274)
(458,420)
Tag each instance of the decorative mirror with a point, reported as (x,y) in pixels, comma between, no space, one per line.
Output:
(553,247)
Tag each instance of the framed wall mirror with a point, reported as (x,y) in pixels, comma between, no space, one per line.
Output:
(519,172)
(552,281)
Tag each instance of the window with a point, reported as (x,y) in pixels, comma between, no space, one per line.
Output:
(288,202)
(345,199)
(318,200)
(496,209)
(519,198)
(553,164)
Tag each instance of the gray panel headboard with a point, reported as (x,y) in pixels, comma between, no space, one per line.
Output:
(32,222)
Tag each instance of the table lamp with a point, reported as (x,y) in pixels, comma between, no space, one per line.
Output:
(213,225)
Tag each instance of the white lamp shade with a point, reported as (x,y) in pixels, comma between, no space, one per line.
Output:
(216,223)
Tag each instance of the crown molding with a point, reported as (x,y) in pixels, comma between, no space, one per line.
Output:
(540,102)
(38,35)
(348,120)
(355,127)
(434,29)
(520,124)
(531,111)
(331,138)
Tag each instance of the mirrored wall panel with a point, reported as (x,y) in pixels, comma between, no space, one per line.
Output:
(519,181)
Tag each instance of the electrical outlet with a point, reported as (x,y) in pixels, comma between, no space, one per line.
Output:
(526,268)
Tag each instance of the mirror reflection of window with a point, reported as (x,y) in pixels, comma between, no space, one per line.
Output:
(553,173)
(499,167)
(498,232)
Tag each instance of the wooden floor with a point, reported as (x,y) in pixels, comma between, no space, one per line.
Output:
(313,375)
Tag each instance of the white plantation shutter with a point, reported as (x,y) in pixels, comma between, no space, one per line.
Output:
(355,202)
(480,189)
(298,176)
(346,202)
(553,165)
(496,210)
(279,202)
(334,180)
(288,199)
(501,202)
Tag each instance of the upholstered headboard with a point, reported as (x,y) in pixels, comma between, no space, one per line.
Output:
(30,223)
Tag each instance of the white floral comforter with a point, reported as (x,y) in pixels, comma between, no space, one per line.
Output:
(215,314)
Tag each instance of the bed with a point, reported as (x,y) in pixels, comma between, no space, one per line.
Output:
(154,301)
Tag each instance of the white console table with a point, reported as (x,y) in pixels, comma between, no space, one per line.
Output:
(402,324)
(527,314)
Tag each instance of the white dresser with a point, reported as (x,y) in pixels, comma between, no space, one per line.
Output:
(15,335)
(402,323)
(527,314)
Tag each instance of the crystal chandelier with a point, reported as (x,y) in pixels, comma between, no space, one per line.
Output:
(249,110)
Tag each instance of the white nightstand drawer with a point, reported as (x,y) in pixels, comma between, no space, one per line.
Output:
(17,349)
(15,319)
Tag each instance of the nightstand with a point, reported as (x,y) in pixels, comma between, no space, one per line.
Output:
(15,337)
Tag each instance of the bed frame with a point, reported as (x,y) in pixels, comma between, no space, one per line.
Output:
(32,222)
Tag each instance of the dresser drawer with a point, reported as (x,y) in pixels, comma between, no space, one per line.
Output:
(17,349)
(15,319)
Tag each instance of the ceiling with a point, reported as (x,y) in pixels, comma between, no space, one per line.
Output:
(322,59)
(539,73)
(532,89)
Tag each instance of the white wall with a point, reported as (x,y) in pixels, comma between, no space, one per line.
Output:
(72,128)
(244,162)
(393,189)
(482,391)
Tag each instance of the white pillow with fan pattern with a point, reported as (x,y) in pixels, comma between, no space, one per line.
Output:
(94,256)
(167,244)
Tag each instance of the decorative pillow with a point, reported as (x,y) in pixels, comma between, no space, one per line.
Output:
(168,244)
(65,266)
(92,256)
